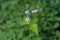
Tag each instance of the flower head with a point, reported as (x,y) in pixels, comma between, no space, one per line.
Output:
(27,19)
(27,12)
(34,11)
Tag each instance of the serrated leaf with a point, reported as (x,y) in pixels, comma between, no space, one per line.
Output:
(34,28)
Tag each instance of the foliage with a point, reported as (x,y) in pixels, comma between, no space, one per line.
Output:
(43,25)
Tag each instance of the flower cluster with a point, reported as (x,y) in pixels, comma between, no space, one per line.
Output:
(33,11)
(28,12)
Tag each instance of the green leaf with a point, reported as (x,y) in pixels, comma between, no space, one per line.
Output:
(56,25)
(34,28)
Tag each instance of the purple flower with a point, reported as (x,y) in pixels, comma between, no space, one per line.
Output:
(27,12)
(27,19)
(34,11)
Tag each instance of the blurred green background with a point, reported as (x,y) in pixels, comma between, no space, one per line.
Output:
(43,25)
